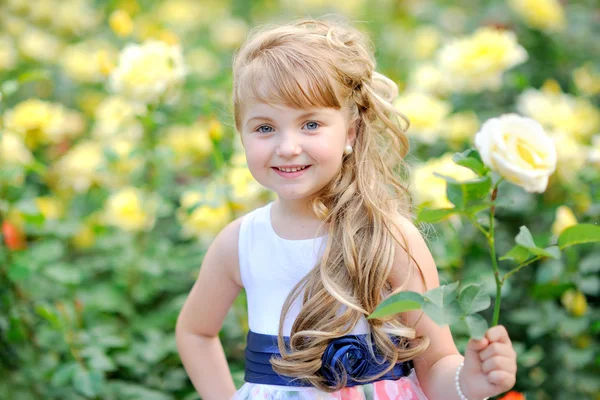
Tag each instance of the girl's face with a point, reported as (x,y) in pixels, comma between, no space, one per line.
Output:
(294,152)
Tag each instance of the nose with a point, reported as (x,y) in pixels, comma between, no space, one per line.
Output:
(289,146)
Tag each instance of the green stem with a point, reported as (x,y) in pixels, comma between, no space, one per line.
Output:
(515,270)
(492,245)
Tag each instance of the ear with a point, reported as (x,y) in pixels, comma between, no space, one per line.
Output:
(351,135)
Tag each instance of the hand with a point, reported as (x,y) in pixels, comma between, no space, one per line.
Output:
(490,365)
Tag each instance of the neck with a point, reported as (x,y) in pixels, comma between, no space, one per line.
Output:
(300,209)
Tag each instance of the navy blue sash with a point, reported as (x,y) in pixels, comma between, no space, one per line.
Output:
(350,352)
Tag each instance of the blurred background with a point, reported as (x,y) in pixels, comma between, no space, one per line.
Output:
(119,163)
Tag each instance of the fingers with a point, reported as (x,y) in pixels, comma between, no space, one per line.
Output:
(477,345)
(499,364)
(498,349)
(502,380)
(498,333)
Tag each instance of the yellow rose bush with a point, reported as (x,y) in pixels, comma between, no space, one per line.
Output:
(119,163)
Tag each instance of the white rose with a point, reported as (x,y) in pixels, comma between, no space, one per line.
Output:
(518,149)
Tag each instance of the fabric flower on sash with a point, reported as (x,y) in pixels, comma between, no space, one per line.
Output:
(350,356)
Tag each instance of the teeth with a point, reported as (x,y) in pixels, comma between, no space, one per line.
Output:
(291,169)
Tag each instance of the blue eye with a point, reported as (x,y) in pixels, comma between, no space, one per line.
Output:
(260,129)
(312,125)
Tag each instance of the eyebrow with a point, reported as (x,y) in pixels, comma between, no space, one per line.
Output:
(301,116)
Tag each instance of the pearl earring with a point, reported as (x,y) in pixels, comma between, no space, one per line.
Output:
(348,150)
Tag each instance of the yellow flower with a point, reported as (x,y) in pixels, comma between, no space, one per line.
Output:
(575,302)
(79,168)
(131,210)
(461,127)
(425,42)
(76,17)
(84,238)
(561,112)
(426,114)
(40,46)
(51,208)
(182,15)
(564,219)
(8,53)
(594,153)
(41,122)
(189,144)
(120,23)
(105,62)
(542,14)
(229,33)
(245,190)
(431,190)
(122,163)
(477,62)
(200,218)
(570,155)
(203,63)
(587,79)
(81,62)
(118,117)
(12,149)
(519,149)
(149,73)
(428,78)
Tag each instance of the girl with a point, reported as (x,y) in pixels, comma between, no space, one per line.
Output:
(319,130)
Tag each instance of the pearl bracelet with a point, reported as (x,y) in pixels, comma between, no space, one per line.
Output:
(457,382)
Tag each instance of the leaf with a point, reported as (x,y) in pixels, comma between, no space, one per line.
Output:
(64,273)
(471,159)
(477,325)
(518,253)
(19,271)
(398,303)
(441,306)
(578,234)
(464,194)
(432,215)
(88,383)
(525,240)
(442,295)
(63,374)
(473,299)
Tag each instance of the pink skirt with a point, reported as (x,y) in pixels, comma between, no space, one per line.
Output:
(405,388)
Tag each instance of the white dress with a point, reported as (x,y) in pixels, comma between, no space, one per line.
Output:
(270,267)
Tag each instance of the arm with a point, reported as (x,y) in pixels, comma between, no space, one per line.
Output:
(202,316)
(490,363)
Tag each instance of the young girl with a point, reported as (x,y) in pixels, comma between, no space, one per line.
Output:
(319,130)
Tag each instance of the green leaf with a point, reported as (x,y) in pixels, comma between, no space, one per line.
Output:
(88,383)
(47,251)
(64,273)
(465,194)
(19,271)
(63,374)
(398,303)
(578,234)
(525,240)
(442,295)
(477,325)
(471,159)
(441,306)
(473,299)
(431,215)
(518,253)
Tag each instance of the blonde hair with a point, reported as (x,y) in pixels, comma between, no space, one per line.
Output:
(311,64)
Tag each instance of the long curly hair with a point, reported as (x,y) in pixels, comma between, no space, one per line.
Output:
(319,63)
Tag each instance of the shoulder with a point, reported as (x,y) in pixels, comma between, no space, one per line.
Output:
(414,267)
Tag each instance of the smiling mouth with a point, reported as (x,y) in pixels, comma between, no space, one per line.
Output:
(295,169)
